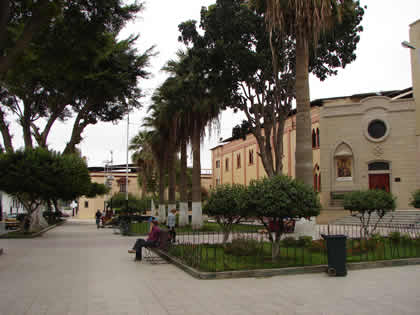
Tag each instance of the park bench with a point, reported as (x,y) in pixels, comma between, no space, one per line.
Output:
(152,253)
(288,227)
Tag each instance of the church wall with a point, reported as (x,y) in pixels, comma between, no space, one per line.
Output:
(345,129)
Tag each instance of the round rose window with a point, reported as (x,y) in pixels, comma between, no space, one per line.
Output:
(377,129)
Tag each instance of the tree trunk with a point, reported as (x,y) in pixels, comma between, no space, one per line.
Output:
(278,146)
(171,176)
(76,135)
(183,205)
(303,114)
(162,210)
(33,25)
(275,250)
(266,153)
(197,212)
(26,126)
(5,132)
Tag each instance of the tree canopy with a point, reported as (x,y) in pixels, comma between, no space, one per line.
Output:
(257,68)
(75,69)
(37,176)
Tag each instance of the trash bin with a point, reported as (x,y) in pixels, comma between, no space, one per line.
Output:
(337,254)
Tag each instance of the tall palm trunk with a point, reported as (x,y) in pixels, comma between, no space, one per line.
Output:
(171,179)
(162,210)
(183,205)
(196,206)
(303,114)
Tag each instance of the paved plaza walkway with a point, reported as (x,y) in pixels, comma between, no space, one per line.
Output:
(77,269)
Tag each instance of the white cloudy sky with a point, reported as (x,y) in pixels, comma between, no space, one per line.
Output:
(381,64)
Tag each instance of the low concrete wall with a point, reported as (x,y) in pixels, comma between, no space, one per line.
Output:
(257,273)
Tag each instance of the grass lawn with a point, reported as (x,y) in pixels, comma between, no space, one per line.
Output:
(17,234)
(142,228)
(214,257)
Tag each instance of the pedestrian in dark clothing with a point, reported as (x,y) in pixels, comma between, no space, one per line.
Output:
(98,216)
(151,241)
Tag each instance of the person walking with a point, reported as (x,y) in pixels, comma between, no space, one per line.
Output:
(98,216)
(171,224)
(151,241)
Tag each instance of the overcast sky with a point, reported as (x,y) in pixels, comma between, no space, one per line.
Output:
(381,64)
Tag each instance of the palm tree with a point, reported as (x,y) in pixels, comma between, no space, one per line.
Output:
(304,20)
(199,108)
(143,157)
(158,145)
(183,128)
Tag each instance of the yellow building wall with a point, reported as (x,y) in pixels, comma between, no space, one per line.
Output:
(247,171)
(89,206)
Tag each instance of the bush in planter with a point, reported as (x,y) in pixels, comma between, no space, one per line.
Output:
(289,241)
(375,241)
(304,241)
(317,246)
(243,246)
(363,204)
(275,199)
(228,205)
(415,199)
(395,237)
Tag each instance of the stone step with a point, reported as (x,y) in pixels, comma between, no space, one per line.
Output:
(396,217)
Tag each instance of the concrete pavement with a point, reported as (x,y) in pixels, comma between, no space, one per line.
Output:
(77,269)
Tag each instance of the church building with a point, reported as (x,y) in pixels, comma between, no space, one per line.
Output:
(363,141)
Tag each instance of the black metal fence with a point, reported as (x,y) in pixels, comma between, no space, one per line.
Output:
(214,251)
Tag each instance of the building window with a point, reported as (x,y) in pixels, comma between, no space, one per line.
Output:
(238,160)
(343,159)
(378,166)
(319,182)
(86,204)
(218,164)
(317,179)
(313,139)
(123,187)
(217,181)
(251,157)
(317,138)
(377,129)
(227,165)
(344,167)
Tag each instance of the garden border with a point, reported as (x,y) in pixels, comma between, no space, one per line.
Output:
(3,236)
(258,273)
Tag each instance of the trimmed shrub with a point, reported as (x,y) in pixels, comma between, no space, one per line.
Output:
(242,246)
(362,204)
(415,199)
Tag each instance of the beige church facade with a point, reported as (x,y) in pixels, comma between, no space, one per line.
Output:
(365,141)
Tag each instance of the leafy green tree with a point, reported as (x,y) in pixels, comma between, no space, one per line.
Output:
(20,22)
(227,204)
(258,67)
(36,176)
(364,204)
(135,204)
(415,201)
(332,23)
(239,49)
(280,197)
(76,69)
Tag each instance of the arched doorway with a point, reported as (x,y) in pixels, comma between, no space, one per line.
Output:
(379,176)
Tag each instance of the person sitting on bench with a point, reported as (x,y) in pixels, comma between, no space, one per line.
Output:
(151,241)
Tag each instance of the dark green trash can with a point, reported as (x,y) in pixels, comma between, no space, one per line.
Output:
(337,254)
